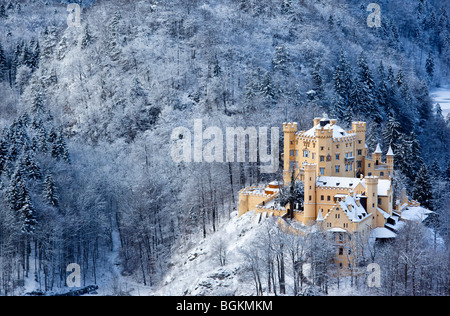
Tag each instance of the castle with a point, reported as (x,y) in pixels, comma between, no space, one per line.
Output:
(345,189)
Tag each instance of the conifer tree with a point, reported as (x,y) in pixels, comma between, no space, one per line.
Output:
(27,213)
(16,191)
(49,192)
(400,78)
(35,54)
(343,87)
(368,106)
(423,190)
(391,133)
(29,167)
(415,154)
(318,85)
(37,103)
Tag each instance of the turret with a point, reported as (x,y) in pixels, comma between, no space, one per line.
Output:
(390,161)
(289,130)
(371,183)
(376,156)
(309,204)
(359,128)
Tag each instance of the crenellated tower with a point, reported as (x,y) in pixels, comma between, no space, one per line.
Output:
(309,203)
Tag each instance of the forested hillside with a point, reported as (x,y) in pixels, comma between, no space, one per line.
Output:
(87,113)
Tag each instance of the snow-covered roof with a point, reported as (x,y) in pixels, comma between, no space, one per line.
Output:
(338,132)
(350,183)
(378,149)
(337,230)
(385,214)
(415,213)
(390,152)
(382,232)
(355,212)
(341,182)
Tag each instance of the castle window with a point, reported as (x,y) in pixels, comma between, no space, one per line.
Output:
(379,201)
(322,171)
(292,152)
(369,174)
(310,198)
(359,164)
(337,156)
(321,147)
(328,198)
(369,165)
(337,168)
(381,174)
(313,156)
(337,146)
(306,154)
(322,158)
(359,152)
(359,141)
(322,198)
(341,252)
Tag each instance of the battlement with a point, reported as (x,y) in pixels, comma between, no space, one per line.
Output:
(371,179)
(359,127)
(290,127)
(310,167)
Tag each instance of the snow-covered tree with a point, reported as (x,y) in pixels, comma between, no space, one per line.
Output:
(49,191)
(422,190)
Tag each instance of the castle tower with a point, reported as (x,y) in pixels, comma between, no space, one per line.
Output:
(289,130)
(390,161)
(359,128)
(309,204)
(324,137)
(376,156)
(371,183)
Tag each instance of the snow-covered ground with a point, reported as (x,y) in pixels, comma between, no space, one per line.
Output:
(442,96)
(195,267)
